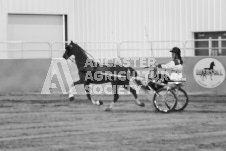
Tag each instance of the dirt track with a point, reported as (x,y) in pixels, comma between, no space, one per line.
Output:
(37,123)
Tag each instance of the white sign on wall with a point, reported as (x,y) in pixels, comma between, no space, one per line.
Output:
(209,73)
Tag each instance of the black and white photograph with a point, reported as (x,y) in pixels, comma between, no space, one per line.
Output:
(112,75)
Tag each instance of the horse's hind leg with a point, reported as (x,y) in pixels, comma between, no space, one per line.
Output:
(211,75)
(72,89)
(116,96)
(141,104)
(87,89)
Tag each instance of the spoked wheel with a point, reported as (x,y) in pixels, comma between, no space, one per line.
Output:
(164,100)
(182,99)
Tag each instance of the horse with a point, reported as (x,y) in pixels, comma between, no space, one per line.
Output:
(207,71)
(87,66)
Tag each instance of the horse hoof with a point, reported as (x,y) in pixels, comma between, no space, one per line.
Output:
(71,98)
(108,109)
(141,104)
(101,103)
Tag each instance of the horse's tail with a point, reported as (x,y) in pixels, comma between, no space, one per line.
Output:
(133,73)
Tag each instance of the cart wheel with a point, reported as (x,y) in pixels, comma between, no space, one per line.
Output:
(182,99)
(164,100)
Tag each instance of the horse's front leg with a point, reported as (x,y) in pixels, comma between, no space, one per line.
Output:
(116,96)
(87,89)
(72,89)
(203,75)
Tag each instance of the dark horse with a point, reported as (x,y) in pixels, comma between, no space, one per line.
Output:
(208,71)
(88,69)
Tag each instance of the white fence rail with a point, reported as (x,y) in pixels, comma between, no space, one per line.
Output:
(99,50)
(23,50)
(205,47)
(148,48)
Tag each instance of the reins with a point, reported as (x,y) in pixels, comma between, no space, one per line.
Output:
(72,60)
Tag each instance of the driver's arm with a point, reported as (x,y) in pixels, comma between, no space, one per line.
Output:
(169,65)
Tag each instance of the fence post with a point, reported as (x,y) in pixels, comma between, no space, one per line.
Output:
(22,50)
(210,46)
(118,50)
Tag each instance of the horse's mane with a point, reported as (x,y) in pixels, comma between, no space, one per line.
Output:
(82,53)
(81,56)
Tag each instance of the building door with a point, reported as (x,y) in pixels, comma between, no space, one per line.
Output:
(34,29)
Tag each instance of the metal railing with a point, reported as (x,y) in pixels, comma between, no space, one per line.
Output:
(208,50)
(99,50)
(22,50)
(148,48)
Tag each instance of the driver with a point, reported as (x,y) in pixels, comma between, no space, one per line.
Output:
(175,65)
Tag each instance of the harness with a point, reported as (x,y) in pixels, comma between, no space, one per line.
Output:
(176,71)
(89,68)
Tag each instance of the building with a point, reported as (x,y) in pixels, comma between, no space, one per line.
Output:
(114,21)
(117,28)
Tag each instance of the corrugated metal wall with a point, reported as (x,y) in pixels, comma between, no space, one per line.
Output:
(125,20)
(165,20)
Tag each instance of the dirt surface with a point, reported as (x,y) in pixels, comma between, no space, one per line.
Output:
(52,123)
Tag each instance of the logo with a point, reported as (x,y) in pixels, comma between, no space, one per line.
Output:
(60,76)
(209,73)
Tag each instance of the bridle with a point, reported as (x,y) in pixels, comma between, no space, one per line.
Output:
(88,54)
(72,60)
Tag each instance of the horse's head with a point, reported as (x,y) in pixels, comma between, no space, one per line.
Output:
(79,54)
(67,54)
(212,64)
